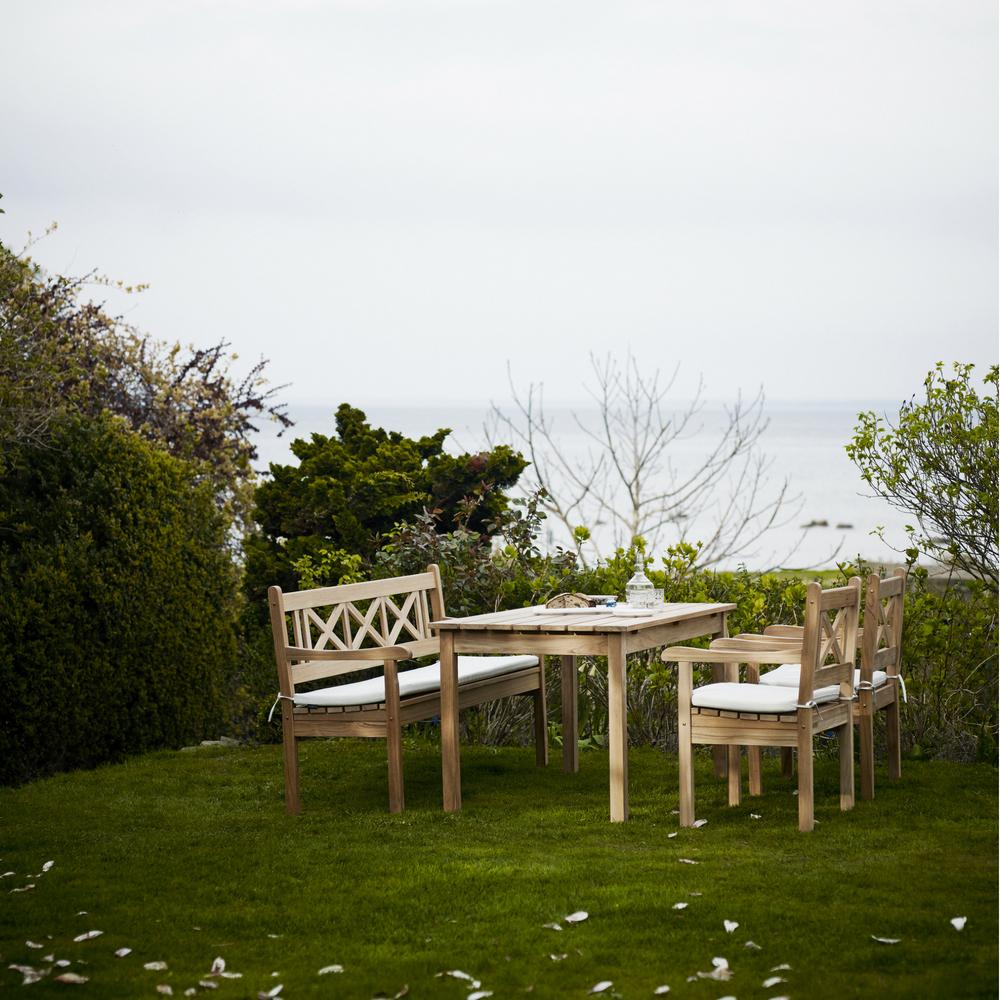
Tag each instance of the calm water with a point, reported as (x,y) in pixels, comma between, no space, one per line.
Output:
(805,445)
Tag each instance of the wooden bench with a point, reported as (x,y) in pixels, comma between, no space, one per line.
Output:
(333,631)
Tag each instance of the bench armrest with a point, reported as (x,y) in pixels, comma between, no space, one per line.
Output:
(751,654)
(379,653)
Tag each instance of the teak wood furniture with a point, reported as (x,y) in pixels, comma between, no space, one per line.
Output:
(334,631)
(753,715)
(595,632)
(879,679)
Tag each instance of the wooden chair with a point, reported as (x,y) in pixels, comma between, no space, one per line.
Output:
(877,682)
(738,714)
(334,631)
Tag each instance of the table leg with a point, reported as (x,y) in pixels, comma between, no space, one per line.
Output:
(617,728)
(451,773)
(570,721)
(720,756)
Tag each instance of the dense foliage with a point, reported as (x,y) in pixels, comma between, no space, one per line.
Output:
(118,601)
(61,353)
(349,491)
(939,463)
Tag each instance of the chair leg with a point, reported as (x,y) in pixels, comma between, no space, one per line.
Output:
(394,751)
(720,757)
(786,762)
(541,725)
(734,773)
(291,754)
(805,749)
(847,765)
(684,748)
(866,725)
(892,738)
(753,768)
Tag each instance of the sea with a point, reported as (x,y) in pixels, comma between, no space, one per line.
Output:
(829,517)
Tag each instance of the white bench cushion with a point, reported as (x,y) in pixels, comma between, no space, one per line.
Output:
(420,680)
(787,675)
(773,700)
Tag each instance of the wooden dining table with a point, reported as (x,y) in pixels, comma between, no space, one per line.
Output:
(542,632)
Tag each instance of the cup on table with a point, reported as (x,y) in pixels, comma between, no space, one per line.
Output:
(657,601)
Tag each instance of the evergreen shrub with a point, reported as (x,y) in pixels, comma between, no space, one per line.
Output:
(118,601)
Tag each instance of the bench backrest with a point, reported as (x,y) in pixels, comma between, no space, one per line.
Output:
(393,612)
(829,639)
(881,646)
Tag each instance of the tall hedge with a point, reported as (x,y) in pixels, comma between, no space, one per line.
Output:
(118,601)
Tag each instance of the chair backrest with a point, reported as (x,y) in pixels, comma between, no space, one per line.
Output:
(829,639)
(882,642)
(393,612)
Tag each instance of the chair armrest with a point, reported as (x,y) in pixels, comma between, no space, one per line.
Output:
(379,653)
(751,642)
(786,631)
(751,654)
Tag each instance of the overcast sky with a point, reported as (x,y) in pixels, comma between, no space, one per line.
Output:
(391,200)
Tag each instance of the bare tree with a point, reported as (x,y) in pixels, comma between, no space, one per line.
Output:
(629,479)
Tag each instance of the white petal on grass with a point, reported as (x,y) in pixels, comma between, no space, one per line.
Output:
(958,923)
(63,962)
(882,940)
(81,913)
(552,927)
(166,990)
(688,861)
(88,935)
(576,918)
(34,944)
(755,816)
(772,981)
(784,967)
(661,990)
(679,906)
(699,823)
(268,994)
(25,888)
(190,992)
(208,984)
(155,966)
(696,894)
(218,965)
(231,975)
(72,977)
(604,984)
(670,836)
(7,874)
(30,974)
(122,952)
(457,974)
(49,958)
(480,995)
(730,925)
(752,945)
(327,969)
(47,866)
(558,958)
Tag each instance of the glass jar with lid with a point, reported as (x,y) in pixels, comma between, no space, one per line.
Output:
(639,589)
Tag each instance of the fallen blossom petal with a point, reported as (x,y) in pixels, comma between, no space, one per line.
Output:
(730,925)
(480,995)
(88,935)
(30,974)
(752,945)
(7,874)
(231,975)
(190,991)
(720,963)
(457,974)
(166,990)
(756,816)
(122,952)
(51,957)
(552,927)
(81,913)
(330,968)
(218,965)
(71,977)
(958,923)
(696,894)
(34,944)
(47,866)
(882,940)
(680,906)
(604,984)
(270,993)
(155,966)
(558,958)
(208,984)
(25,888)
(576,918)
(772,981)
(63,962)
(688,861)
(784,967)
(670,836)
(699,823)
(661,990)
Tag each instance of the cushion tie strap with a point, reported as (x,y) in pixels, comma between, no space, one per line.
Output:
(902,684)
(286,697)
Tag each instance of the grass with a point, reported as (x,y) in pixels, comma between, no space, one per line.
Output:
(187,856)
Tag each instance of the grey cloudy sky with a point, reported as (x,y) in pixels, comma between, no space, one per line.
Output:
(390,200)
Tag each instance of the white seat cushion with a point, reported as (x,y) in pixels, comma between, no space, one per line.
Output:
(773,700)
(787,675)
(420,680)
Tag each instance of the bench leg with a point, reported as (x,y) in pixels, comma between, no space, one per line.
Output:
(786,761)
(570,721)
(866,724)
(892,738)
(805,748)
(847,765)
(735,774)
(753,767)
(394,750)
(541,719)
(291,754)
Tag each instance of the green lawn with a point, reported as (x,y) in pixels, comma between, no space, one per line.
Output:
(187,856)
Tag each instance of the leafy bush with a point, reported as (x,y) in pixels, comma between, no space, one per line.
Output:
(118,601)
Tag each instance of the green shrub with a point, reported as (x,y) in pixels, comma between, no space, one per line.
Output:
(118,599)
